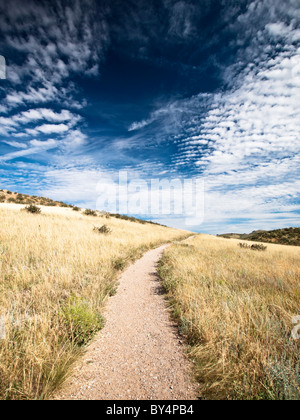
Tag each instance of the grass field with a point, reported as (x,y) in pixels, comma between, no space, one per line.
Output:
(55,274)
(235,306)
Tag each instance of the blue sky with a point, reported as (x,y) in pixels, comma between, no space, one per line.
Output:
(161,89)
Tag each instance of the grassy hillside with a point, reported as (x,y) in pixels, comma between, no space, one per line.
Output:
(235,306)
(288,236)
(56,271)
(7,196)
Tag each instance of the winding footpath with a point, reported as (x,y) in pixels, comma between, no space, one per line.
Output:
(138,355)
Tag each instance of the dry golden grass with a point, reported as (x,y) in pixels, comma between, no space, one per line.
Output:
(236,306)
(55,275)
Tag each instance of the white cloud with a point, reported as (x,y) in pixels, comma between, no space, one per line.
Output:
(244,139)
(138,125)
(44,144)
(8,122)
(55,53)
(16,144)
(75,185)
(75,138)
(33,115)
(279,30)
(51,128)
(247,141)
(37,147)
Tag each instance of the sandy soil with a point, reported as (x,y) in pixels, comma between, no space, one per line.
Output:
(138,354)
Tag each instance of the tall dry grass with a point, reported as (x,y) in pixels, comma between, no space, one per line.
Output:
(235,307)
(55,273)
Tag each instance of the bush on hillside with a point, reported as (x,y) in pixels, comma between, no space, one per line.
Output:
(258,247)
(254,247)
(33,209)
(89,212)
(103,229)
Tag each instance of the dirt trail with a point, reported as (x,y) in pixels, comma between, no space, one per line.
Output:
(138,354)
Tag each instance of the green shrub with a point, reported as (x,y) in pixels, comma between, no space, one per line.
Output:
(243,245)
(82,321)
(119,264)
(258,247)
(254,247)
(75,208)
(89,212)
(103,229)
(2,198)
(133,219)
(33,209)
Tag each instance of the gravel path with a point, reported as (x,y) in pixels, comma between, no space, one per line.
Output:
(138,355)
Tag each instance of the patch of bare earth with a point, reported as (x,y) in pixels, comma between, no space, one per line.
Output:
(138,355)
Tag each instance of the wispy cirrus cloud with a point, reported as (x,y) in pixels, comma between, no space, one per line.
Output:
(16,144)
(246,142)
(38,114)
(33,147)
(231,118)
(53,51)
(49,129)
(49,54)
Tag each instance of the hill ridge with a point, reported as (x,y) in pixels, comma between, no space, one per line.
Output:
(285,236)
